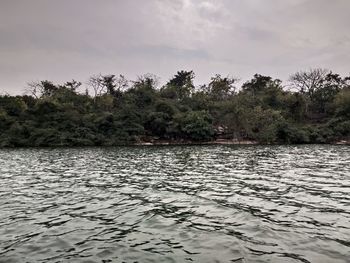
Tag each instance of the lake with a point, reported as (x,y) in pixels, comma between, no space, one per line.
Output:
(175,204)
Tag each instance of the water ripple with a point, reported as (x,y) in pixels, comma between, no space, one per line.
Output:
(175,204)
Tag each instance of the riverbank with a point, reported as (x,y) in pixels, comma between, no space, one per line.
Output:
(342,142)
(219,142)
(215,142)
(162,142)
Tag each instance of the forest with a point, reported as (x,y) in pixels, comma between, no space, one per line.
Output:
(313,106)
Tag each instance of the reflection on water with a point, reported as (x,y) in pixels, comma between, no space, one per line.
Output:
(176,204)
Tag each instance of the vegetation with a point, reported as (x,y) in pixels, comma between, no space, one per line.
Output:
(313,108)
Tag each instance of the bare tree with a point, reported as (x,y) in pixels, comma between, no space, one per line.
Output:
(309,81)
(41,88)
(33,88)
(147,80)
(122,83)
(96,82)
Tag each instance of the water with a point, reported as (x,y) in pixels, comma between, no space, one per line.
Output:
(176,204)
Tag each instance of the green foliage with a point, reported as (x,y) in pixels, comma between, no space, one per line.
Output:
(13,106)
(157,123)
(259,84)
(221,88)
(342,103)
(180,86)
(118,113)
(294,106)
(261,124)
(194,125)
(292,133)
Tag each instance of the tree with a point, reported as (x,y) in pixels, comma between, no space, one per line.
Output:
(122,111)
(157,123)
(109,82)
(259,84)
(180,86)
(43,88)
(342,103)
(196,125)
(308,82)
(13,106)
(148,80)
(294,106)
(221,88)
(143,92)
(72,85)
(96,82)
(262,125)
(122,84)
(320,86)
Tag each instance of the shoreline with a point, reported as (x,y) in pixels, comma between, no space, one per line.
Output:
(215,142)
(180,143)
(225,142)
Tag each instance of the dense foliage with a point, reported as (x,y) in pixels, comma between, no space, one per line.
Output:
(313,108)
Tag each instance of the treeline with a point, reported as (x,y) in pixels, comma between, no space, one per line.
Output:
(313,107)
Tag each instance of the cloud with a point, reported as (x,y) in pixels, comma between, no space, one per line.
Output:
(61,40)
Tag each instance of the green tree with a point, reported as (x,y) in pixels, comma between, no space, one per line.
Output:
(195,125)
(180,86)
(221,88)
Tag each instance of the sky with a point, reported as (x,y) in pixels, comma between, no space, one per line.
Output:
(73,39)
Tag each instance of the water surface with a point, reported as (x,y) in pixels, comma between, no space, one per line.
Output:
(175,204)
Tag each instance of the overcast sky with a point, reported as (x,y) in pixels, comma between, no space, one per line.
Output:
(65,39)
